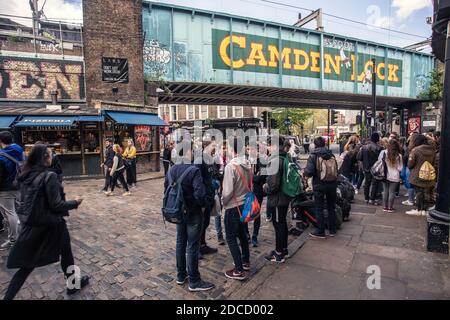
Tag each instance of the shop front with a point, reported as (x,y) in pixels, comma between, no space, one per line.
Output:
(143,129)
(75,139)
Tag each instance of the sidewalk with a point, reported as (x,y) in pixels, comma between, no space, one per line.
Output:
(335,268)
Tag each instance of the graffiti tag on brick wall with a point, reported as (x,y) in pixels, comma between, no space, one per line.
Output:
(51,47)
(36,79)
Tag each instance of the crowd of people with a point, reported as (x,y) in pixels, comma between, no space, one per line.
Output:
(236,171)
(412,161)
(38,236)
(117,163)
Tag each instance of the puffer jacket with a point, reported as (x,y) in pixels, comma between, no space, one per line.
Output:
(416,159)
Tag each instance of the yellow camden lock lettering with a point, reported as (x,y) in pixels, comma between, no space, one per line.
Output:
(298,59)
(241,42)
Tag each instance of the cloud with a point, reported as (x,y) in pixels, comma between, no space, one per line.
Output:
(54,10)
(404,8)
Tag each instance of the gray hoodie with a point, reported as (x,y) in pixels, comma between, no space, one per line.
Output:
(234,188)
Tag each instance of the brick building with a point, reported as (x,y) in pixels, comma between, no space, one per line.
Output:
(211,116)
(75,85)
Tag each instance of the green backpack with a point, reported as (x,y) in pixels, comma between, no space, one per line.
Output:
(291,182)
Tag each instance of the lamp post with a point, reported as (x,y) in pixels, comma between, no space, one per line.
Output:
(442,210)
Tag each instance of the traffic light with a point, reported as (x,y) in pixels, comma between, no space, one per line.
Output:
(334,117)
(273,123)
(265,118)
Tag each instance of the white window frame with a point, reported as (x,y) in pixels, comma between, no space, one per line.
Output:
(200,106)
(176,112)
(187,111)
(255,112)
(218,112)
(234,112)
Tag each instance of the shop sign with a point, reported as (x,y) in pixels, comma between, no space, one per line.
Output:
(48,121)
(114,70)
(429,123)
(413,125)
(142,136)
(270,55)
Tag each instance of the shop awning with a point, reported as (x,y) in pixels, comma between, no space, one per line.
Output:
(6,121)
(91,118)
(46,121)
(135,118)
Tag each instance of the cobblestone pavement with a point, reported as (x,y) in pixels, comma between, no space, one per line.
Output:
(123,244)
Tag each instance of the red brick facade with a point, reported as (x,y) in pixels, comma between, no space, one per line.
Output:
(113,28)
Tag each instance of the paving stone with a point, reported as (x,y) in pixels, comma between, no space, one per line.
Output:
(390,289)
(388,267)
(311,284)
(325,254)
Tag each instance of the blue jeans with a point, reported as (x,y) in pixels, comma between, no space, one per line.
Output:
(411,195)
(218,222)
(188,241)
(234,230)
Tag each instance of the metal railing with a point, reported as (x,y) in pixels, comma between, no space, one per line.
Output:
(18,33)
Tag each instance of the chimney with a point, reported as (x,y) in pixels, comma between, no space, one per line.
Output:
(54,95)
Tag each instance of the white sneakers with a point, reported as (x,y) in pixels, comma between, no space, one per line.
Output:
(416,212)
(408,203)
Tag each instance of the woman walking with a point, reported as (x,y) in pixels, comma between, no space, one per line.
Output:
(394,164)
(117,171)
(130,157)
(44,237)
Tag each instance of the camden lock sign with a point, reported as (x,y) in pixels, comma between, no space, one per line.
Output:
(262,54)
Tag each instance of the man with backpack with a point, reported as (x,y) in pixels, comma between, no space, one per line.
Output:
(322,167)
(237,184)
(189,227)
(368,155)
(277,200)
(11,157)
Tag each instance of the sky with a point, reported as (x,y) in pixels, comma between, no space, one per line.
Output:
(408,16)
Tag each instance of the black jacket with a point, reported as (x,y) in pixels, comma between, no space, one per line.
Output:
(369,155)
(167,154)
(207,172)
(275,196)
(258,181)
(349,164)
(40,244)
(193,187)
(311,167)
(109,157)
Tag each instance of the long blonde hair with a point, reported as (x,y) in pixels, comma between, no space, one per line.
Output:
(116,148)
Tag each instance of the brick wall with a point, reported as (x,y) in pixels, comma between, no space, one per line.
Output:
(113,28)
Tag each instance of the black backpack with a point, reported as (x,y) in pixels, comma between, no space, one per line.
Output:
(174,210)
(28,199)
(13,178)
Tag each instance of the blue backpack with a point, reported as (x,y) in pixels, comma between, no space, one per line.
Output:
(173,209)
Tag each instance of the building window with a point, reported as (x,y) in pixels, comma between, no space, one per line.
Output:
(173,113)
(190,112)
(255,112)
(204,114)
(222,112)
(238,112)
